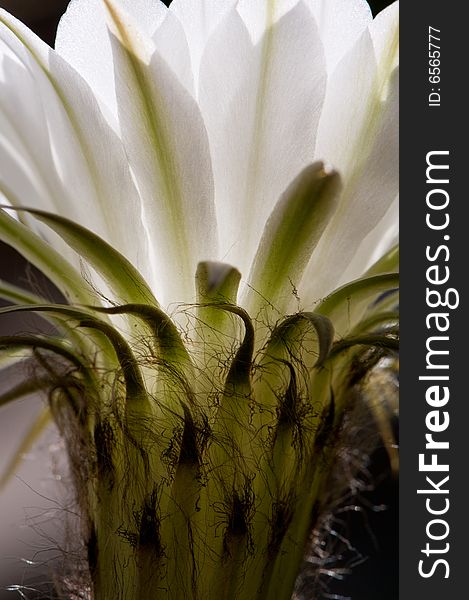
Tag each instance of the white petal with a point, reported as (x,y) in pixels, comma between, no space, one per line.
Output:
(261,105)
(167,146)
(350,103)
(171,42)
(27,167)
(83,39)
(16,176)
(27,161)
(259,16)
(341,22)
(358,135)
(379,241)
(74,154)
(384,33)
(199,19)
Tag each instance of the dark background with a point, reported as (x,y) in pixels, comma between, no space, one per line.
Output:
(373,532)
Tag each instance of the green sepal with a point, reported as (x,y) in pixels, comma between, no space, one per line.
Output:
(165,333)
(119,273)
(45,258)
(133,379)
(240,368)
(15,294)
(346,306)
(56,346)
(388,342)
(216,283)
(285,332)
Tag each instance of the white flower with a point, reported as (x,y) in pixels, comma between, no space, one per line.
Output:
(151,160)
(173,133)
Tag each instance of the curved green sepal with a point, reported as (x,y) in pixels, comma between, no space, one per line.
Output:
(133,378)
(45,258)
(56,346)
(164,331)
(121,276)
(12,357)
(376,322)
(346,306)
(18,295)
(378,340)
(282,334)
(240,368)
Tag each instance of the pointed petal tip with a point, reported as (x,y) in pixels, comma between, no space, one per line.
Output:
(115,21)
(125,30)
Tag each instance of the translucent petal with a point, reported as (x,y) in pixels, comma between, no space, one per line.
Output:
(358,134)
(83,40)
(292,231)
(79,164)
(27,159)
(384,33)
(341,22)
(383,237)
(261,105)
(167,147)
(260,16)
(199,19)
(171,42)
